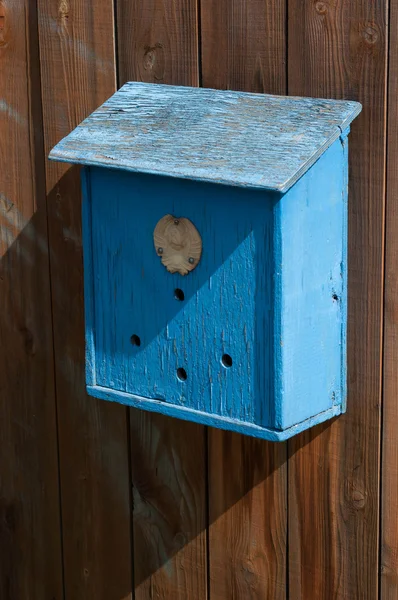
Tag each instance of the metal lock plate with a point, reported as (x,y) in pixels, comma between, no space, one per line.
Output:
(178,243)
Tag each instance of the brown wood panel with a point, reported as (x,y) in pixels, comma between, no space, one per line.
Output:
(389,492)
(168,466)
(338,49)
(158,41)
(243,48)
(247,514)
(244,45)
(78,74)
(30,544)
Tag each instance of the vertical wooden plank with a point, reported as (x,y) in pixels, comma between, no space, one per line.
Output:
(243,47)
(78,74)
(158,42)
(338,49)
(30,545)
(389,487)
(168,468)
(247,514)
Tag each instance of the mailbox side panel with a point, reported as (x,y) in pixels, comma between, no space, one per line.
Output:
(311,292)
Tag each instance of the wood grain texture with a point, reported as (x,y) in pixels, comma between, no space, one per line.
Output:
(243,47)
(234,138)
(78,73)
(168,466)
(389,473)
(247,507)
(338,49)
(30,538)
(158,42)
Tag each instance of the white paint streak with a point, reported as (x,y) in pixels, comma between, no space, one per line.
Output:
(11,112)
(76,47)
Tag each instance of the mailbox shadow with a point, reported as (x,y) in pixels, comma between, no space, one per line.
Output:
(94,485)
(187,480)
(221,509)
(192,486)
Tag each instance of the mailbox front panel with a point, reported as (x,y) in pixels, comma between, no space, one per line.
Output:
(203,341)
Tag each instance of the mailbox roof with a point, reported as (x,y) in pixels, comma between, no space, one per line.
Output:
(232,138)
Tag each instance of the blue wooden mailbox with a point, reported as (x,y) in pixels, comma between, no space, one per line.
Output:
(215,255)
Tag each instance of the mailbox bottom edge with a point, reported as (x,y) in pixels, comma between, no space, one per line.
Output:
(220,422)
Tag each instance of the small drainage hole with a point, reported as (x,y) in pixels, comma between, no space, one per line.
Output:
(179,294)
(135,340)
(226,361)
(182,374)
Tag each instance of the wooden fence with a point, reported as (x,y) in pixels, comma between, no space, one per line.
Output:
(100,502)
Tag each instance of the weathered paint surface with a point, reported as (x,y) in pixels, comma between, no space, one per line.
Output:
(234,138)
(269,291)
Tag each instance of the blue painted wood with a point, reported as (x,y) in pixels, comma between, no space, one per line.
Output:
(89,296)
(234,138)
(187,414)
(270,291)
(311,288)
(228,298)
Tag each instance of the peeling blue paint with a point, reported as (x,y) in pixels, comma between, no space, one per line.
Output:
(270,291)
(232,138)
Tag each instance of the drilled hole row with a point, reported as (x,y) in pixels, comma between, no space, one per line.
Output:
(226,359)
